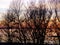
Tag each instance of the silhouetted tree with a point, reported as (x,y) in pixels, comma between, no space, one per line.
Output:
(38,25)
(15,9)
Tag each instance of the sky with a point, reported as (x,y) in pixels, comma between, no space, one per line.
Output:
(4,5)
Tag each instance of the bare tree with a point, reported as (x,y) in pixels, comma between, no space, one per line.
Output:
(42,21)
(13,13)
